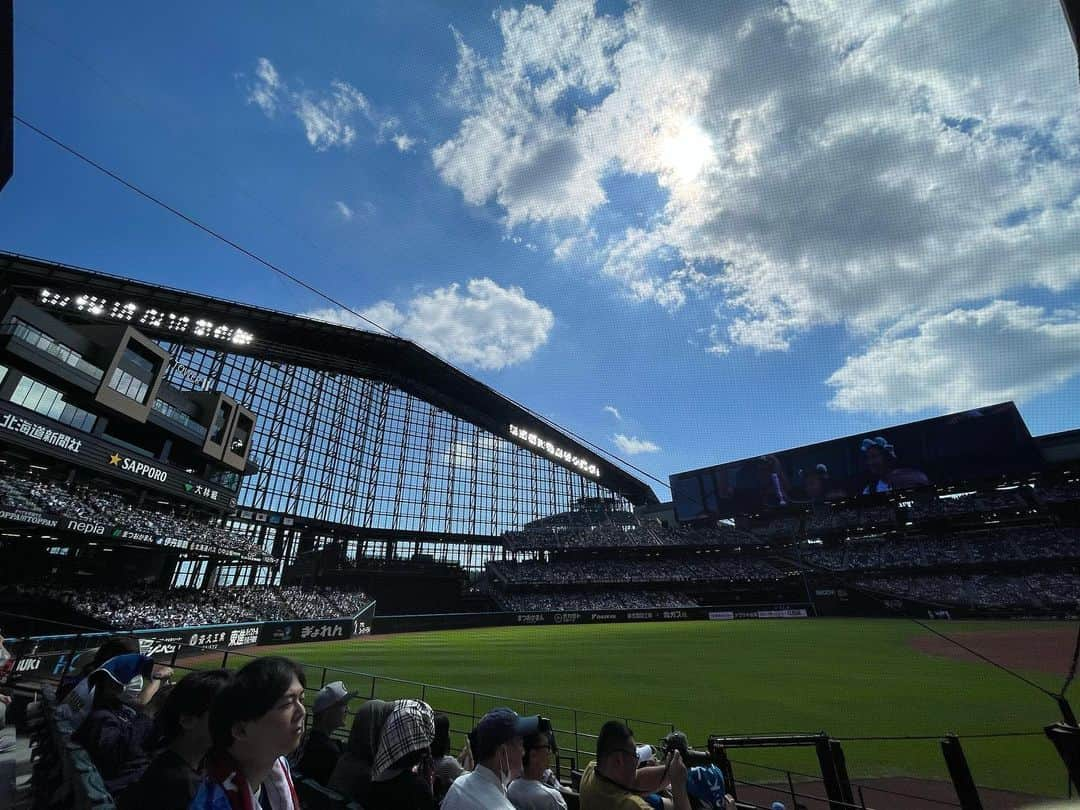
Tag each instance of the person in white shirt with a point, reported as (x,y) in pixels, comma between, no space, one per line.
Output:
(536,788)
(497,744)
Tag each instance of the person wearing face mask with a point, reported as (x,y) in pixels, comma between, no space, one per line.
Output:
(118,733)
(497,743)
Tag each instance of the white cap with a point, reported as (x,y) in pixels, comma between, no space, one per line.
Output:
(331,695)
(644,754)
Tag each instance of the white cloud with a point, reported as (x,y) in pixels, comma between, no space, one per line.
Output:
(613,411)
(485,326)
(817,163)
(403,142)
(632,445)
(330,118)
(344,210)
(264,92)
(963,359)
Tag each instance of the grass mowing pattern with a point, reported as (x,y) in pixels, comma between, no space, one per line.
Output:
(849,677)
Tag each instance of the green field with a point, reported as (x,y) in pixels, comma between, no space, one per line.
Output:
(847,677)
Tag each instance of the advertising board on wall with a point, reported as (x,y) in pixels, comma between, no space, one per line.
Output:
(42,434)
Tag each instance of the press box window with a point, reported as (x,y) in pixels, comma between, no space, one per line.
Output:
(241,435)
(49,402)
(221,421)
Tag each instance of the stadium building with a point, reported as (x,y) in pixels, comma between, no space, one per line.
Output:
(158,436)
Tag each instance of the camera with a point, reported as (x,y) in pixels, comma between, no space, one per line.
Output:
(676,741)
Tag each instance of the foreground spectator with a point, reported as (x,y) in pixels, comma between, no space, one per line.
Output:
(613,781)
(171,781)
(255,722)
(118,733)
(110,648)
(497,743)
(6,660)
(402,775)
(352,774)
(533,790)
(321,751)
(447,767)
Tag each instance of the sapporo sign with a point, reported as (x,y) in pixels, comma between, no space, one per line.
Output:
(28,429)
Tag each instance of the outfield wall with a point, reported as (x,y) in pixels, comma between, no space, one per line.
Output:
(461,621)
(52,656)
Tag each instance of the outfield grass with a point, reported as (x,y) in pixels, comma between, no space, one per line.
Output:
(847,677)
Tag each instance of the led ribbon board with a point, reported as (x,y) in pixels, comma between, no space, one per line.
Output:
(149,317)
(556,452)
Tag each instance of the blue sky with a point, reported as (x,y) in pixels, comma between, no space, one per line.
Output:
(690,232)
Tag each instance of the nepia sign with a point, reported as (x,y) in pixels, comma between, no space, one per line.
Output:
(556,452)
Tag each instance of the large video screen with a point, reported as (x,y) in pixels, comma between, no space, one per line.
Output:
(969,446)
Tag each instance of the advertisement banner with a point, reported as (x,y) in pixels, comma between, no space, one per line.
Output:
(42,434)
(304,631)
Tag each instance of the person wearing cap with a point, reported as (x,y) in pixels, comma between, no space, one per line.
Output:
(532,790)
(117,733)
(320,751)
(497,744)
(614,782)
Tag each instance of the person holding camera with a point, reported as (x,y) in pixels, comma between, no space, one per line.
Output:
(536,788)
(614,781)
(497,743)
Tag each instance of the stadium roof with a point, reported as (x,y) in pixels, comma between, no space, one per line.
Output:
(304,341)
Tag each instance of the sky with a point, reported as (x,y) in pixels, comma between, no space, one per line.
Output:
(690,232)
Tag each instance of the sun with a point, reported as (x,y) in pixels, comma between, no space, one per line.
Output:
(685,150)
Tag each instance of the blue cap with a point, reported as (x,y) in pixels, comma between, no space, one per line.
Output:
(123,668)
(706,782)
(497,727)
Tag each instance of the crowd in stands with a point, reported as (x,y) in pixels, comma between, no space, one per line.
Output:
(112,509)
(1054,592)
(593,599)
(645,535)
(243,740)
(1060,492)
(694,568)
(1016,544)
(969,503)
(144,607)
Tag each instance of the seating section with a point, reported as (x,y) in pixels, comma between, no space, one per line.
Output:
(82,503)
(143,607)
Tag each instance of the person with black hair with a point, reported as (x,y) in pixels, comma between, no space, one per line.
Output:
(352,774)
(447,767)
(614,782)
(532,790)
(255,722)
(183,727)
(497,743)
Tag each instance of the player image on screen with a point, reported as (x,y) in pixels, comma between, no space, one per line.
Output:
(885,472)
